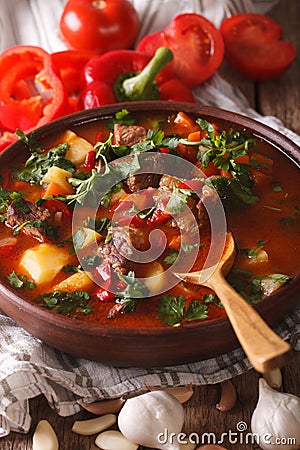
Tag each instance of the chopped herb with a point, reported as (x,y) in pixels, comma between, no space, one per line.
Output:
(196,310)
(62,302)
(171,258)
(29,141)
(277,189)
(20,281)
(252,252)
(99,184)
(71,269)
(123,118)
(232,192)
(256,288)
(212,299)
(49,230)
(178,200)
(272,208)
(222,149)
(38,164)
(173,311)
(189,247)
(133,292)
(109,150)
(99,225)
(90,262)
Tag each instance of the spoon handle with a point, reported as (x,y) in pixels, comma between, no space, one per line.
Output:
(264,348)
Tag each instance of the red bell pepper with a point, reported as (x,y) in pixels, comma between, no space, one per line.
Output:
(70,64)
(57,206)
(31,92)
(90,160)
(127,75)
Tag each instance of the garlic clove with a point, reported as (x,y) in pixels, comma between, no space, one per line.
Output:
(153,420)
(104,407)
(44,437)
(276,419)
(112,440)
(182,393)
(93,426)
(273,378)
(228,396)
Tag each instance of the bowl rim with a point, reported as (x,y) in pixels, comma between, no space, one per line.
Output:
(86,117)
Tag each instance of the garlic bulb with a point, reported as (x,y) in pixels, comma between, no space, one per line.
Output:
(153,420)
(276,419)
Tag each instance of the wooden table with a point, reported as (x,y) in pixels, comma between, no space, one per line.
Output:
(280,98)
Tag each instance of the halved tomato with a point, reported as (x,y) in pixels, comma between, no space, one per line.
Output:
(197,46)
(254,47)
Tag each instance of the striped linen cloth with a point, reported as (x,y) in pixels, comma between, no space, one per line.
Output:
(28,367)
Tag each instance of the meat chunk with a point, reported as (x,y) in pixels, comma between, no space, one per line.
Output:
(119,252)
(23,212)
(133,134)
(206,205)
(129,134)
(139,181)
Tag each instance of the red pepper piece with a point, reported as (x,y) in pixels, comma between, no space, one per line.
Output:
(105,272)
(8,247)
(70,64)
(105,296)
(127,75)
(194,185)
(57,206)
(90,160)
(158,217)
(32,94)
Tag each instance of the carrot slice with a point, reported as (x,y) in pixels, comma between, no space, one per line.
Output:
(54,189)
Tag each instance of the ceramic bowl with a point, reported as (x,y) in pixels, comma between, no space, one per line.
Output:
(144,347)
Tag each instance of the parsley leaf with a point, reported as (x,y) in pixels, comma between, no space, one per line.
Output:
(29,141)
(252,252)
(173,311)
(121,117)
(171,258)
(178,200)
(232,192)
(20,281)
(62,302)
(196,310)
(133,292)
(5,199)
(38,164)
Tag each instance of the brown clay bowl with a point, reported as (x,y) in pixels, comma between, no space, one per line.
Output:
(144,347)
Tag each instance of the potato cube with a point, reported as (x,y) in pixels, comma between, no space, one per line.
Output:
(155,277)
(79,147)
(79,281)
(44,262)
(59,176)
(87,236)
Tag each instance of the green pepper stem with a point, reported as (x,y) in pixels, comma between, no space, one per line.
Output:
(140,87)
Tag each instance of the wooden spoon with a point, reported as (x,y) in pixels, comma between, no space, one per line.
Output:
(265,349)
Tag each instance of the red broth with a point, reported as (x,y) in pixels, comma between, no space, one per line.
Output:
(266,229)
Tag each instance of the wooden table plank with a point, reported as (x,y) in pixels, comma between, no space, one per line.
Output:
(282,99)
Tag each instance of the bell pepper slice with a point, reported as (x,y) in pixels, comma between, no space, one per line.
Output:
(127,75)
(70,64)
(31,92)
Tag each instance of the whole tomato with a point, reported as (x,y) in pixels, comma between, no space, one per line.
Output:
(99,25)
